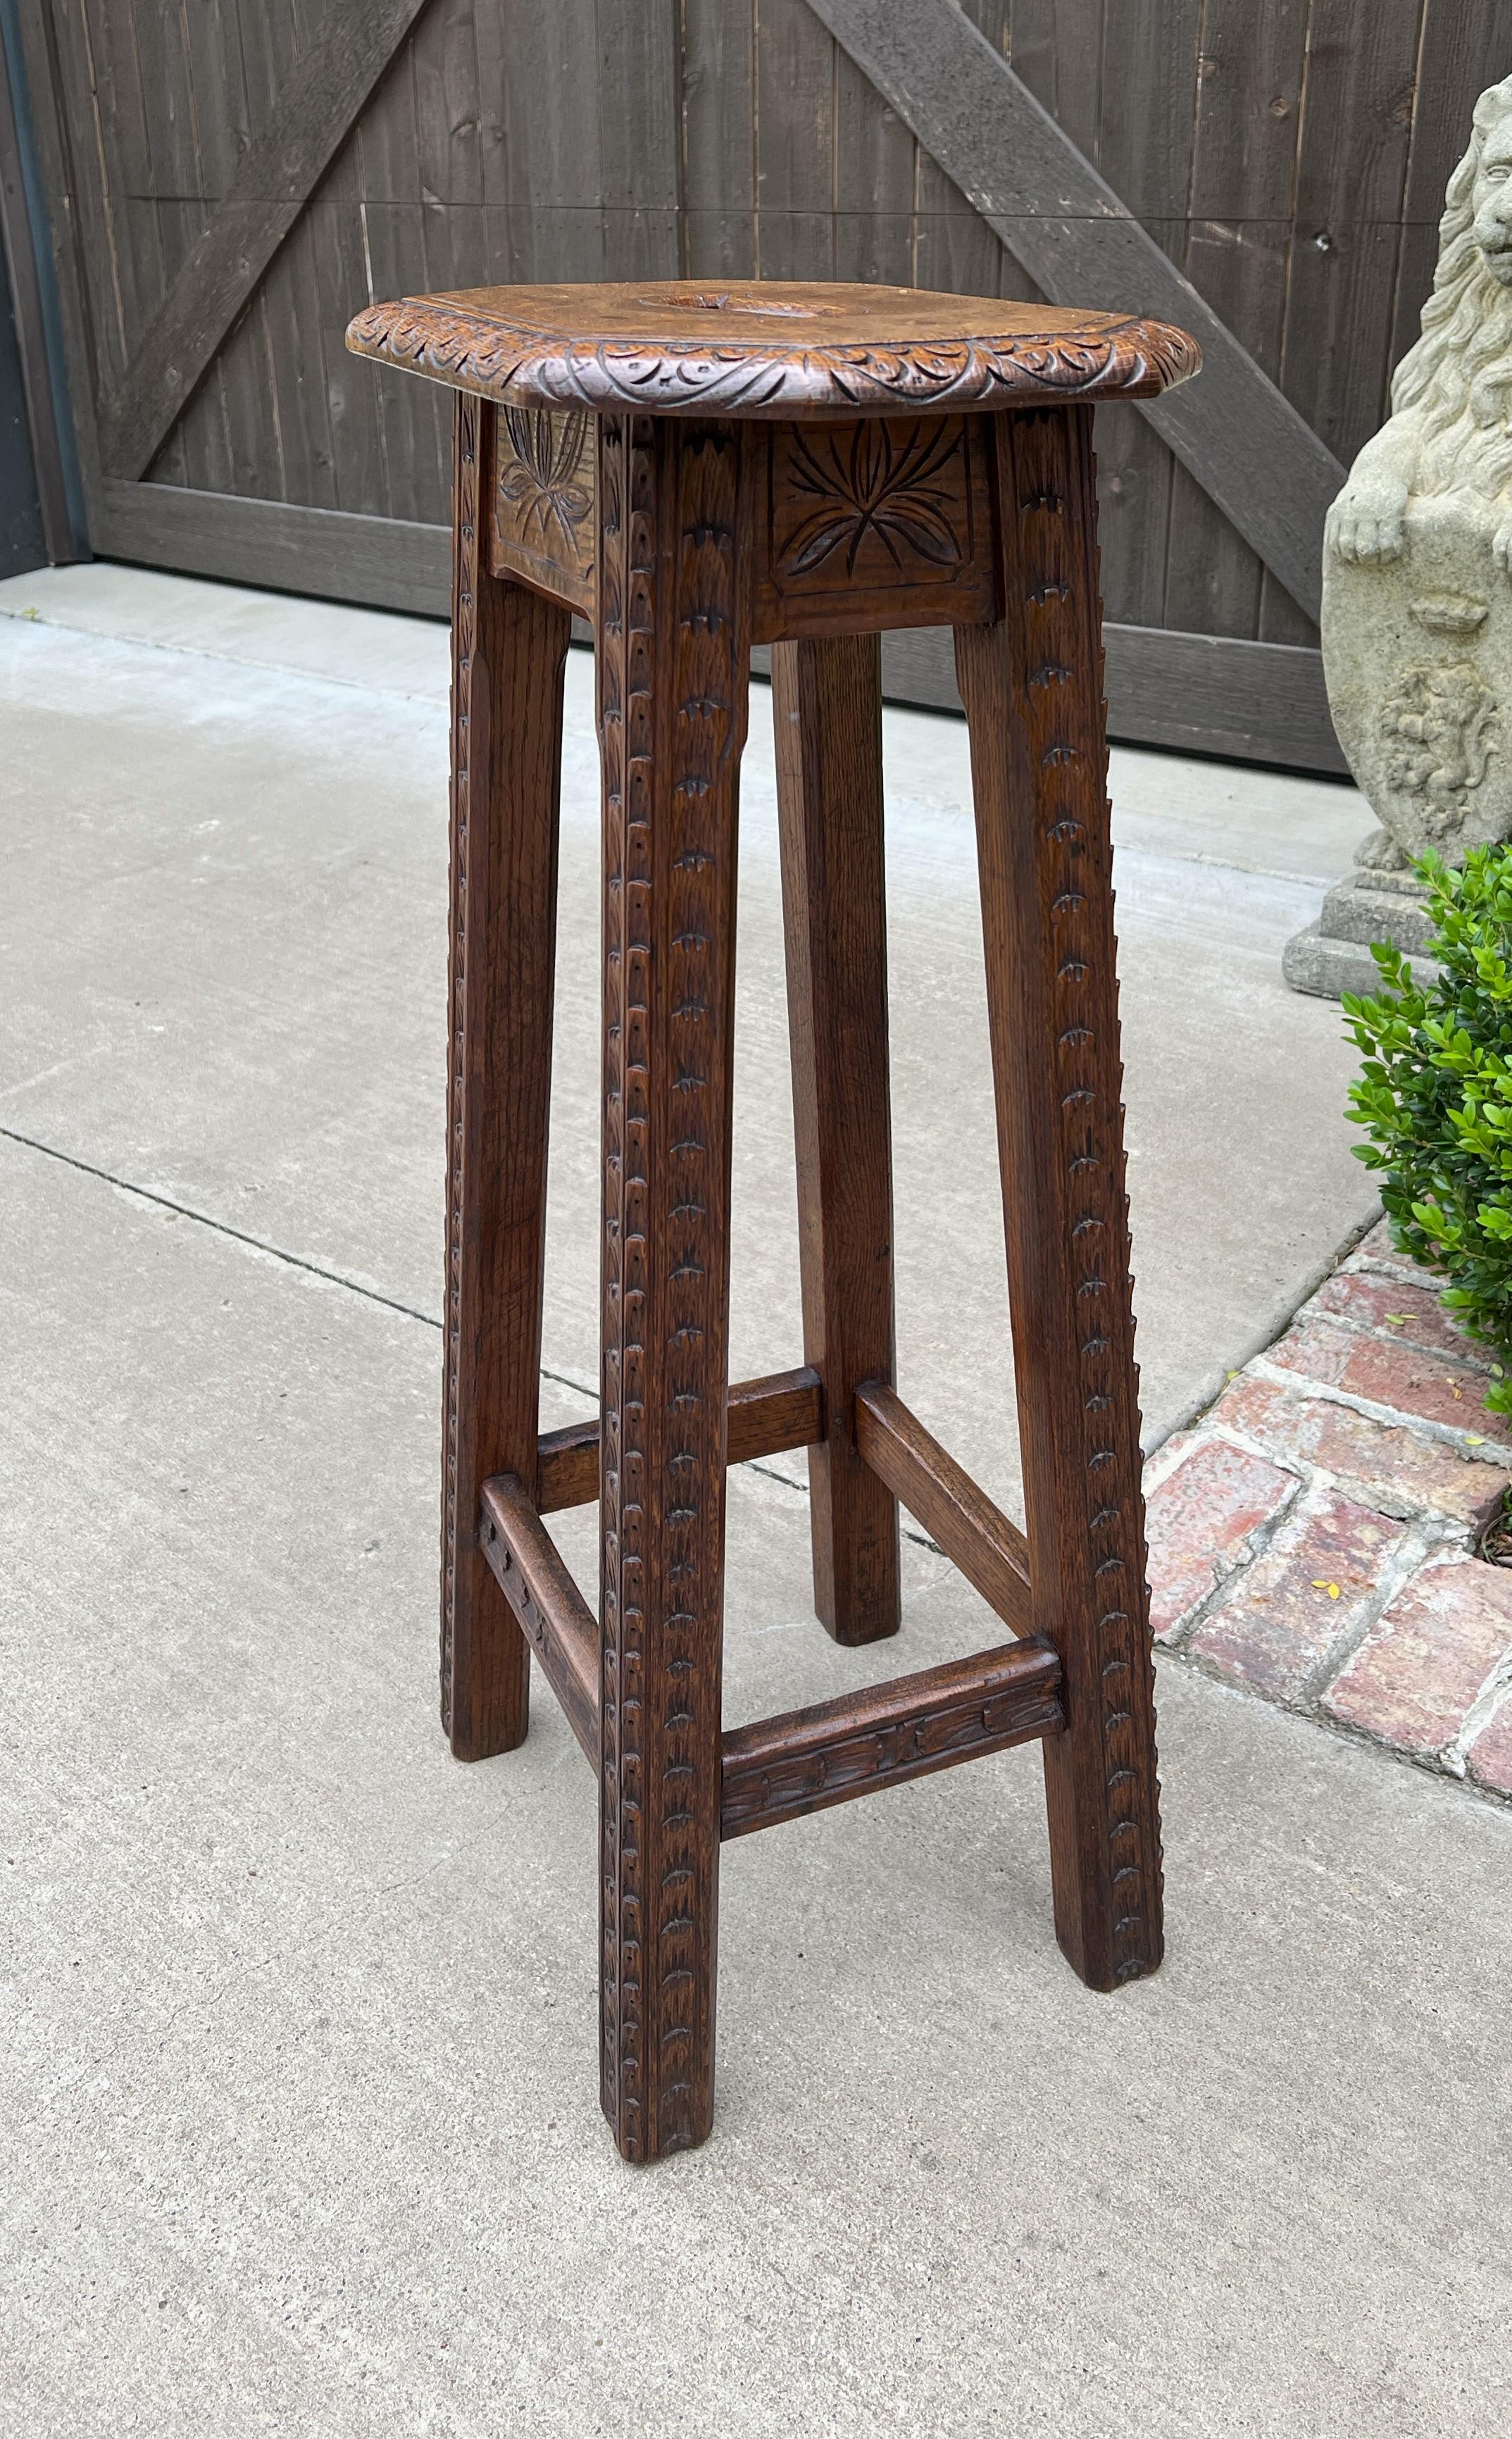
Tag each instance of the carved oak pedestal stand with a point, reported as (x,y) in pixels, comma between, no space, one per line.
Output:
(697,473)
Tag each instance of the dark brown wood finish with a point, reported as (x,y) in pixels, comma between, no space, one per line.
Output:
(784,1411)
(673,662)
(987,1545)
(857,523)
(551,1613)
(542,493)
(508,645)
(1032,689)
(782,1768)
(827,717)
(770,352)
(678,526)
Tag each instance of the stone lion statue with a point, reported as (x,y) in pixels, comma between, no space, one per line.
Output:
(1417,563)
(1451,426)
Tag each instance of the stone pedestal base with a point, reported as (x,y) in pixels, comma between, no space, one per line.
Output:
(1333,956)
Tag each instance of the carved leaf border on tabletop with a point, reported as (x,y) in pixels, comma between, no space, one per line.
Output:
(460,344)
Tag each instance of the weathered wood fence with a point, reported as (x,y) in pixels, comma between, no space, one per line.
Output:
(228,181)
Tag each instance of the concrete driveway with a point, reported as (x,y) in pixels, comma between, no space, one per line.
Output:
(300,2131)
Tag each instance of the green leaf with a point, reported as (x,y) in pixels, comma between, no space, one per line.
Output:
(1432,1098)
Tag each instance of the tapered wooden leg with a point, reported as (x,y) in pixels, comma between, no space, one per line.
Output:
(1033,690)
(674,654)
(827,711)
(507,649)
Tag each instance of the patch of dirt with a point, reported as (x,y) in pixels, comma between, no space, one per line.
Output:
(1496,1542)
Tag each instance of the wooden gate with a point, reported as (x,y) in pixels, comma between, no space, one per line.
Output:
(230,180)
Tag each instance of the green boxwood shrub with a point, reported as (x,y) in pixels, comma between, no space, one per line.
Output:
(1434,1096)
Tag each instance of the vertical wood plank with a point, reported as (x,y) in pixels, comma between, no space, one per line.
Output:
(875,159)
(718,138)
(509,646)
(446,105)
(1117,80)
(672,671)
(103,103)
(449,154)
(1150,51)
(826,709)
(179,186)
(640,134)
(1352,163)
(243,380)
(795,143)
(1249,104)
(545,172)
(296,312)
(415,413)
(329,417)
(1032,686)
(1056,46)
(954,248)
(133,224)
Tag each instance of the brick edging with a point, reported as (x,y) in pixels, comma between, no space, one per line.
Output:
(1314,1534)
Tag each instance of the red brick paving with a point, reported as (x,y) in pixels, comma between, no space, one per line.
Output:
(1403,1468)
(1428,1387)
(1411,1315)
(1378,1247)
(1200,1522)
(1277,1559)
(1418,1671)
(1300,1604)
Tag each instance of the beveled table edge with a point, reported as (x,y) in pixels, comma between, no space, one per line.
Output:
(451,339)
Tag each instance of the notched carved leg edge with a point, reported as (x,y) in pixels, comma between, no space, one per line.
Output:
(673,669)
(1032,686)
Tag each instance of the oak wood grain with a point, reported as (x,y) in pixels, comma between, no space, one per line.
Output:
(805,1760)
(673,676)
(987,1545)
(551,1613)
(827,717)
(509,646)
(863,524)
(1032,690)
(783,1411)
(677,502)
(768,349)
(543,502)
